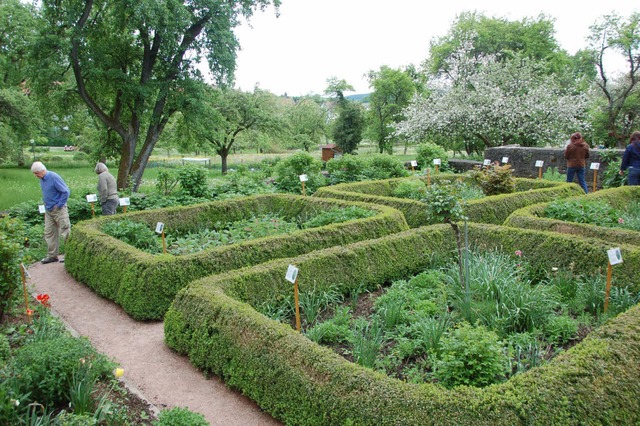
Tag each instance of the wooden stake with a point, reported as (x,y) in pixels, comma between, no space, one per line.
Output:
(164,244)
(23,273)
(539,172)
(595,179)
(295,298)
(124,208)
(93,210)
(607,290)
(436,169)
(303,190)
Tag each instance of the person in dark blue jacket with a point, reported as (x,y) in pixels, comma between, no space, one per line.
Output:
(631,159)
(55,194)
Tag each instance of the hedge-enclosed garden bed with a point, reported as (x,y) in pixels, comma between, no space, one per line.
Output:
(213,321)
(145,284)
(533,217)
(493,209)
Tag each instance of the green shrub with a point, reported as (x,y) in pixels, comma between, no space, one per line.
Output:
(494,179)
(166,181)
(427,152)
(384,166)
(11,235)
(347,168)
(337,215)
(334,330)
(471,356)
(193,181)
(288,173)
(5,349)
(46,367)
(582,211)
(179,416)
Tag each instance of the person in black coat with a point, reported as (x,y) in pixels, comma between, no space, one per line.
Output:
(631,159)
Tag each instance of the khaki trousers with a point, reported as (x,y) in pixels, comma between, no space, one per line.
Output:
(56,225)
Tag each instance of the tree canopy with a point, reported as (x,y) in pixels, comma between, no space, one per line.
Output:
(134,64)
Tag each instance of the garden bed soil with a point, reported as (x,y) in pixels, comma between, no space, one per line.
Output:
(155,376)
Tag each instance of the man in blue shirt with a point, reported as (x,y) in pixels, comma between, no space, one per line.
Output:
(56,218)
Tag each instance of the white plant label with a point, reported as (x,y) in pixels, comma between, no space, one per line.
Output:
(615,256)
(41,209)
(304,178)
(539,163)
(124,202)
(92,198)
(159,227)
(505,160)
(595,166)
(292,274)
(436,162)
(486,162)
(414,163)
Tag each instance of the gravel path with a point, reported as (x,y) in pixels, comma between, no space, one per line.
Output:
(152,370)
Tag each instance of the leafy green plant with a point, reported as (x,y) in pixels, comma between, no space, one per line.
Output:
(347,168)
(179,416)
(337,215)
(527,352)
(494,179)
(334,330)
(313,301)
(288,173)
(471,356)
(610,176)
(366,341)
(621,299)
(11,236)
(384,166)
(583,211)
(553,175)
(136,234)
(193,181)
(427,152)
(413,189)
(560,329)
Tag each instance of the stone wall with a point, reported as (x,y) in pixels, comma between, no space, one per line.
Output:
(523,161)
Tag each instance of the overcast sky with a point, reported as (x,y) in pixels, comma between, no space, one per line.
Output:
(313,40)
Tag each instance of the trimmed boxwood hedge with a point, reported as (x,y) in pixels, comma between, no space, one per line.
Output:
(493,209)
(531,217)
(301,383)
(145,284)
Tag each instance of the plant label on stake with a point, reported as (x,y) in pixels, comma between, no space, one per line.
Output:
(41,209)
(25,274)
(486,162)
(437,162)
(160,230)
(124,202)
(505,160)
(615,257)
(92,198)
(292,277)
(414,164)
(595,167)
(539,165)
(303,179)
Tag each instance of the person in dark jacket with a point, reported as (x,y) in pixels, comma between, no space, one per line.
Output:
(576,153)
(631,159)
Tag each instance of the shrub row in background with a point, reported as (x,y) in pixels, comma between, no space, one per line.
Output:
(144,284)
(493,209)
(532,217)
(299,382)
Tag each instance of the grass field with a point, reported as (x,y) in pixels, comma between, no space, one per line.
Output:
(20,185)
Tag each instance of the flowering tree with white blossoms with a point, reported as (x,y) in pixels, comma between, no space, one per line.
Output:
(491,103)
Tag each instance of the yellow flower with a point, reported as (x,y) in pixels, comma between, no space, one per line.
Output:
(119,372)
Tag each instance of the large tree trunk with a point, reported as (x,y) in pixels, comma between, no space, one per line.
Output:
(224,154)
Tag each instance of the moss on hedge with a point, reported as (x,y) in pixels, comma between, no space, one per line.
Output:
(493,209)
(299,382)
(144,284)
(532,217)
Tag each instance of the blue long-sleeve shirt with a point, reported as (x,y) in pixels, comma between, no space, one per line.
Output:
(54,191)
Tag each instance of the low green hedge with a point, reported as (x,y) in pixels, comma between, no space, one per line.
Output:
(531,217)
(145,284)
(301,383)
(493,209)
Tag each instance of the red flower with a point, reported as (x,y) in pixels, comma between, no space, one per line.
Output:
(43,299)
(519,253)
(29,312)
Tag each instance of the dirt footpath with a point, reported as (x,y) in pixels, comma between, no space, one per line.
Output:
(162,377)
